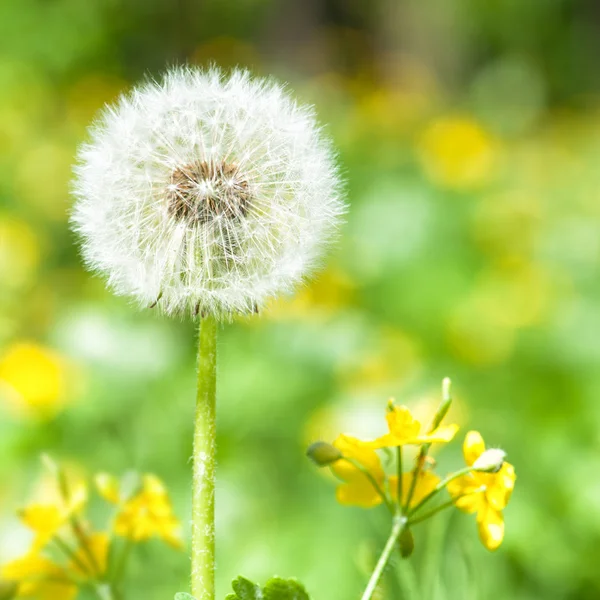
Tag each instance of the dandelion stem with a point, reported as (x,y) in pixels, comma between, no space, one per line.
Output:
(203,493)
(397,529)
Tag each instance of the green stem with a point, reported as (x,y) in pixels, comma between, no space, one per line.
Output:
(397,529)
(442,507)
(81,535)
(399,473)
(203,492)
(121,565)
(71,554)
(424,450)
(373,481)
(440,486)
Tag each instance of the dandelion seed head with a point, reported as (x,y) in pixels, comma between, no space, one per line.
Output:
(205,193)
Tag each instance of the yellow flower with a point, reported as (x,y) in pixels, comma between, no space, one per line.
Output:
(358,489)
(45,520)
(457,152)
(426,483)
(147,514)
(404,430)
(485,494)
(39,578)
(33,379)
(97,546)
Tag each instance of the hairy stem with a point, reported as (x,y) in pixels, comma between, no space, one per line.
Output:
(203,492)
(397,529)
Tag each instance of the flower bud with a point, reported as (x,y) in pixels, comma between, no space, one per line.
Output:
(406,543)
(490,461)
(323,454)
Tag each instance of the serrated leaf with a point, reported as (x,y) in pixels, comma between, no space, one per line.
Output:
(284,589)
(245,589)
(184,596)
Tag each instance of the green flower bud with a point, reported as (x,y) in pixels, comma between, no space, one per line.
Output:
(323,454)
(406,543)
(490,461)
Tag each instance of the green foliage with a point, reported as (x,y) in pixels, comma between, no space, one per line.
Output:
(184,596)
(275,589)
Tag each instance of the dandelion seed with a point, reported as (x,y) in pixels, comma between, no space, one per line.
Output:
(206,194)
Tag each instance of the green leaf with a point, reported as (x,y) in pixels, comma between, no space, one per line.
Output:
(245,589)
(284,589)
(275,589)
(184,596)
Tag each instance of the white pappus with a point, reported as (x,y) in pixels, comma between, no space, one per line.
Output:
(206,193)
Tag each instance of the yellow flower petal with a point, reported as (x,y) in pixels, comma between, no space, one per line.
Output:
(491,528)
(426,483)
(473,447)
(39,578)
(467,493)
(358,492)
(401,423)
(44,520)
(500,487)
(362,453)
(108,487)
(405,430)
(149,514)
(98,545)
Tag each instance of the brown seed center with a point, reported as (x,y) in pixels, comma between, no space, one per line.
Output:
(203,192)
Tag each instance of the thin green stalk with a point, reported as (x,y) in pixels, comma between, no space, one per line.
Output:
(203,488)
(397,529)
(440,486)
(399,473)
(442,507)
(119,569)
(84,543)
(373,482)
(70,554)
(424,450)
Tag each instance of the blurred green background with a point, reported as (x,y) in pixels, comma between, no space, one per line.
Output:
(470,135)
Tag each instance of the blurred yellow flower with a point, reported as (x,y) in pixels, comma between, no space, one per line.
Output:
(426,483)
(457,152)
(32,378)
(45,520)
(39,578)
(330,292)
(148,513)
(358,489)
(94,558)
(404,429)
(485,494)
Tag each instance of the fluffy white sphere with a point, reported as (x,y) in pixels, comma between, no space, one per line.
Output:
(206,193)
